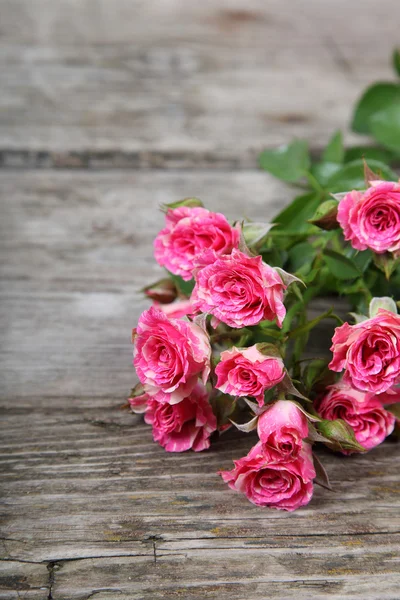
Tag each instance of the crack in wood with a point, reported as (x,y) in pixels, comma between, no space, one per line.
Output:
(51,568)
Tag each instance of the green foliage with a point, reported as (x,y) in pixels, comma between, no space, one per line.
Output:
(376,98)
(368,153)
(351,176)
(396,61)
(334,152)
(294,217)
(289,163)
(184,287)
(385,126)
(340,266)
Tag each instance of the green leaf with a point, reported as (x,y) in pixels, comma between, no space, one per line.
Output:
(184,287)
(294,217)
(396,60)
(376,98)
(362,260)
(324,171)
(368,153)
(223,406)
(340,266)
(314,371)
(301,254)
(289,163)
(334,152)
(351,176)
(385,126)
(309,325)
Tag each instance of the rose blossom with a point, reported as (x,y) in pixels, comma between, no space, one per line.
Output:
(176,310)
(362,411)
(281,429)
(239,290)
(179,427)
(169,355)
(369,352)
(392,396)
(281,485)
(371,219)
(139,404)
(247,372)
(188,233)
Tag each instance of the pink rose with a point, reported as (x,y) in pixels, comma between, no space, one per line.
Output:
(239,290)
(369,352)
(138,404)
(371,219)
(170,355)
(392,396)
(281,429)
(176,310)
(179,427)
(281,485)
(188,233)
(247,372)
(362,411)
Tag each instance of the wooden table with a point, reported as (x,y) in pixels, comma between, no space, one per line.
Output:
(108,109)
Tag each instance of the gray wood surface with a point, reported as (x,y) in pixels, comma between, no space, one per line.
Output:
(91,507)
(182,83)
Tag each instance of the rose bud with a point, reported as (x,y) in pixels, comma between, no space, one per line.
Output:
(164,291)
(281,429)
(371,219)
(138,399)
(369,352)
(169,355)
(248,372)
(239,290)
(183,426)
(325,216)
(364,412)
(282,485)
(188,233)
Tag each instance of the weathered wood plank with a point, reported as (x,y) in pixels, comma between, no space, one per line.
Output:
(86,489)
(93,505)
(76,250)
(182,84)
(192,575)
(24,580)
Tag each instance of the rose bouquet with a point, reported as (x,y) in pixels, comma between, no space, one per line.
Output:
(225,342)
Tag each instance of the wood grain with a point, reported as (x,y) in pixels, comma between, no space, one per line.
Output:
(182,84)
(151,101)
(91,506)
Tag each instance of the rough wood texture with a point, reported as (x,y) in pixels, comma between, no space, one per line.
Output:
(91,504)
(178,83)
(92,508)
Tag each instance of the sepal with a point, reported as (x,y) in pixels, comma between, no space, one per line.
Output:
(339,435)
(288,278)
(321,477)
(387,263)
(254,233)
(189,202)
(384,303)
(325,217)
